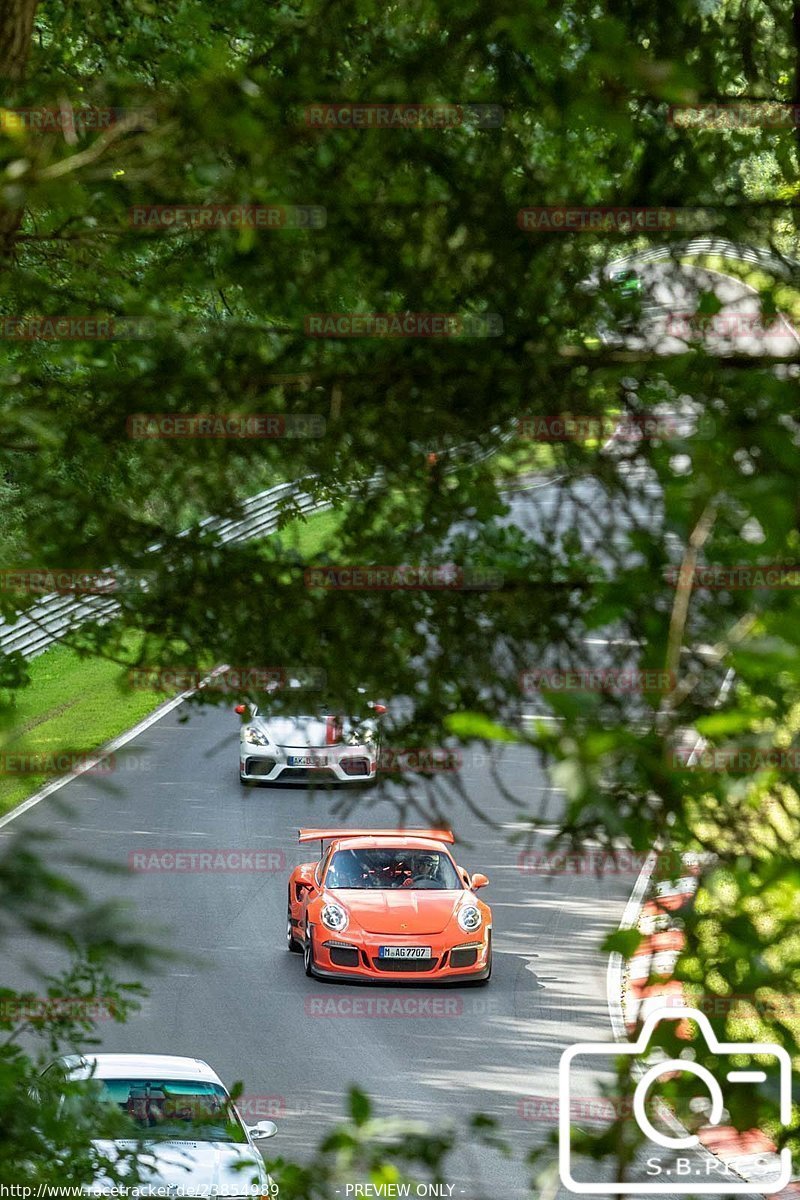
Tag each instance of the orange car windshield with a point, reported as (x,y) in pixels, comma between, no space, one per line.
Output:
(422,870)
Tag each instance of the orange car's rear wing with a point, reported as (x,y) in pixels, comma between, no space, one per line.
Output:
(326,835)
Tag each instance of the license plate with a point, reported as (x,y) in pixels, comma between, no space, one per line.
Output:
(306,760)
(404,952)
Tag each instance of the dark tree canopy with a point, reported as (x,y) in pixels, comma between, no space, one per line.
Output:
(210,106)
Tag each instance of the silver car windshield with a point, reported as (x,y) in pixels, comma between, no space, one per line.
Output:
(424,870)
(176,1109)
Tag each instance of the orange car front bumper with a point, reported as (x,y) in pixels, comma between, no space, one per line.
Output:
(357,955)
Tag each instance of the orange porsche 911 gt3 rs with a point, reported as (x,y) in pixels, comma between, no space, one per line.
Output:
(383,905)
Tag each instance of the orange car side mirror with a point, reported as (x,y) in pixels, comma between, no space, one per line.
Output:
(479,881)
(305,876)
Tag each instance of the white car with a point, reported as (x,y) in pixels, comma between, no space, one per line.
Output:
(323,746)
(193,1140)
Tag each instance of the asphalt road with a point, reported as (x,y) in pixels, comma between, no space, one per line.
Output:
(242,1002)
(245,1005)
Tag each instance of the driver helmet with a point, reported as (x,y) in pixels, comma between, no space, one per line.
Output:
(156,1106)
(427,866)
(136,1104)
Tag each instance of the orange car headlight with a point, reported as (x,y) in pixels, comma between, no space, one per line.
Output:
(334,917)
(469,918)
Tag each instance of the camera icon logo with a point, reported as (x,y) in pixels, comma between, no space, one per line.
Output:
(683,1175)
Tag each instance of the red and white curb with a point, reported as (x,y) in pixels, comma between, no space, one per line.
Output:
(644,983)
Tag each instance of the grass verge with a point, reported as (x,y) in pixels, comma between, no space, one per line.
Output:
(72,705)
(75,704)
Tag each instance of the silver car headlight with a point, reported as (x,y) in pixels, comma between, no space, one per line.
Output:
(255,737)
(334,917)
(469,918)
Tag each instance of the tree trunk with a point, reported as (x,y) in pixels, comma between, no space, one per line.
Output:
(16,28)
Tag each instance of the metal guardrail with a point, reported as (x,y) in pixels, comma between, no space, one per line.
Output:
(778,264)
(56,614)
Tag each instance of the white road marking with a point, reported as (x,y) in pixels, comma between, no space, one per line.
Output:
(616,961)
(56,784)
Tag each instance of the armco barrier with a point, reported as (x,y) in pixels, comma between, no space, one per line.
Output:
(55,615)
(776,263)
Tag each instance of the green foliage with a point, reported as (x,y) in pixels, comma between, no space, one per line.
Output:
(425,221)
(623,941)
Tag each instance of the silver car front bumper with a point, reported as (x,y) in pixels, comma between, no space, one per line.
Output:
(261,764)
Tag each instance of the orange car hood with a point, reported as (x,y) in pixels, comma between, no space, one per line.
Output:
(401,911)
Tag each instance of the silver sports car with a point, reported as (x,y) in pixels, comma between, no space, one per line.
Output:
(321,746)
(190,1131)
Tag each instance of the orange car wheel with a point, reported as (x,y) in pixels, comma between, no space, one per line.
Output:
(291,940)
(308,953)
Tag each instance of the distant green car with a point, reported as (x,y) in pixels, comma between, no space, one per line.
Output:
(627,282)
